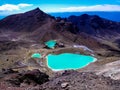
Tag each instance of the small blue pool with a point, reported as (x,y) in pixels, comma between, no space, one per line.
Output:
(66,61)
(50,43)
(36,55)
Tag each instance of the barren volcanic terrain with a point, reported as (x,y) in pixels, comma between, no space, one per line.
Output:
(24,34)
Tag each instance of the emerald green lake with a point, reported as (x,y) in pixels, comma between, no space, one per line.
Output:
(50,43)
(68,61)
(36,55)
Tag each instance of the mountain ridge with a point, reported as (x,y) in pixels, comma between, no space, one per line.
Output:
(113,16)
(31,20)
(27,21)
(93,24)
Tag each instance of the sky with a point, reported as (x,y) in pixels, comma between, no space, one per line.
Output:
(19,6)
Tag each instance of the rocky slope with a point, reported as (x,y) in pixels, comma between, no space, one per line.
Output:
(23,34)
(95,25)
(37,26)
(68,80)
(28,21)
(80,81)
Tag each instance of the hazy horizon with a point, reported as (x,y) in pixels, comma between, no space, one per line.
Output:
(111,15)
(18,6)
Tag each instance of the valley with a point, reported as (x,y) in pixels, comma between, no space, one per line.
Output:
(22,35)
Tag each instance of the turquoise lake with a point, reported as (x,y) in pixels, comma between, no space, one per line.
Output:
(68,61)
(50,43)
(36,55)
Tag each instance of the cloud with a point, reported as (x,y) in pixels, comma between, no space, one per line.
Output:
(24,5)
(12,7)
(105,7)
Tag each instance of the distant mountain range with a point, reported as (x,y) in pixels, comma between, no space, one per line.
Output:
(94,25)
(89,24)
(114,16)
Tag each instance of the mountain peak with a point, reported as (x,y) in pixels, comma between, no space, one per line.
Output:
(27,21)
(36,10)
(85,15)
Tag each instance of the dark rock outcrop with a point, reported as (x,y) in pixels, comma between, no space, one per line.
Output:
(30,78)
(8,71)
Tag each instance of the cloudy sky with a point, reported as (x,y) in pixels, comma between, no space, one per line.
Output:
(18,6)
